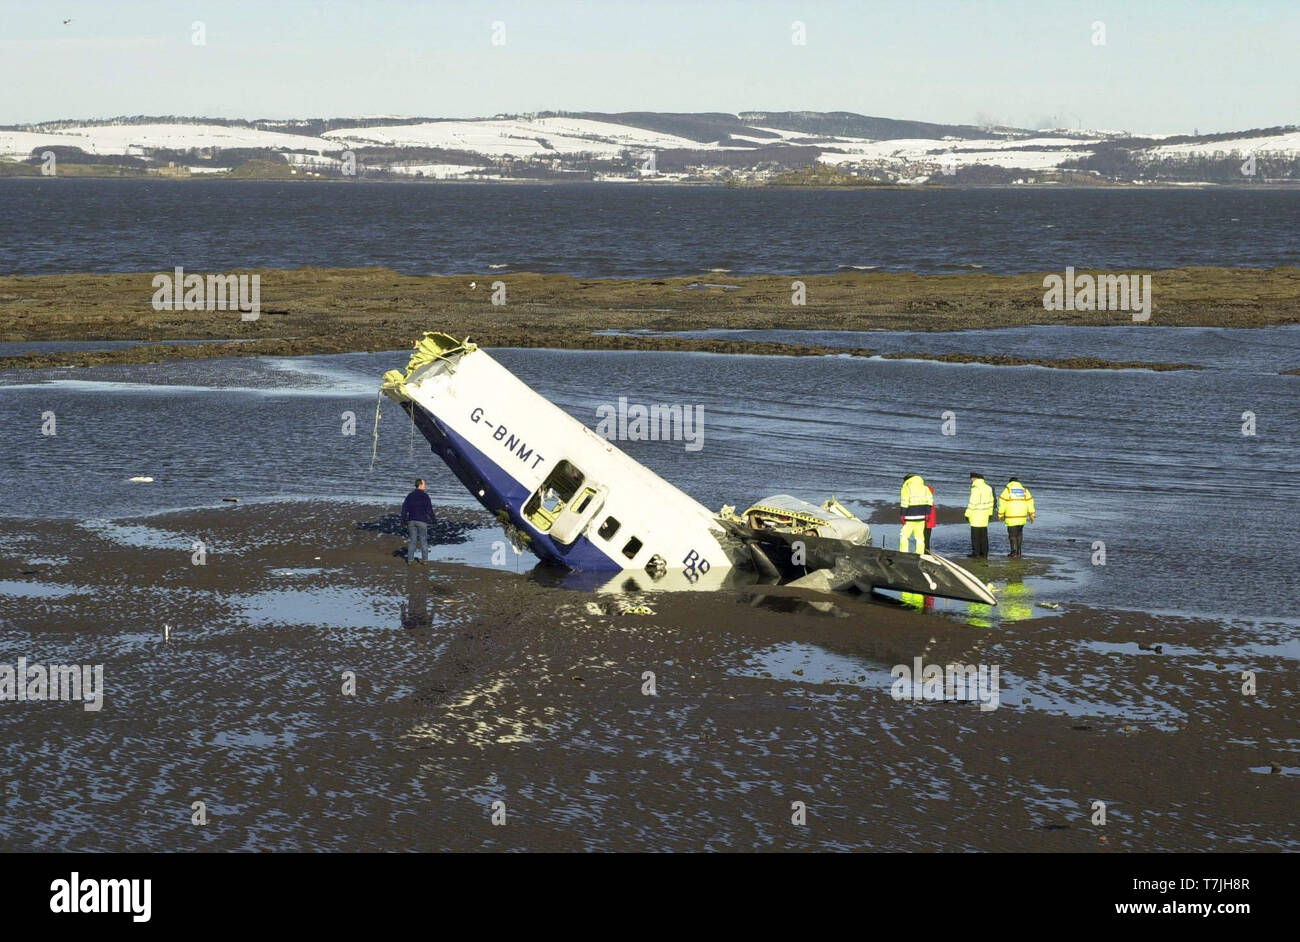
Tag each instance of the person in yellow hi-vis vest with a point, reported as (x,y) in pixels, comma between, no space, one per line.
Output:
(978,510)
(1014,507)
(915,502)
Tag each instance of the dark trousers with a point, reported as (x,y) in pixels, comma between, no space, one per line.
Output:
(979,542)
(419,541)
(1017,536)
(928,531)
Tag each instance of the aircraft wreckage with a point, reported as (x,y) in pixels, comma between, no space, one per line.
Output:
(576,500)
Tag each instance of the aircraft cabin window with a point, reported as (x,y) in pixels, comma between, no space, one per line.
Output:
(632,548)
(608,528)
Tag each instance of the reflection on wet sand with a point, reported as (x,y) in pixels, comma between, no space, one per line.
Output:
(417,607)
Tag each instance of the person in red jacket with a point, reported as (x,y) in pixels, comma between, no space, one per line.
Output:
(931,519)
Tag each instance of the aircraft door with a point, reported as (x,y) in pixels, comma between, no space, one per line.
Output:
(572,520)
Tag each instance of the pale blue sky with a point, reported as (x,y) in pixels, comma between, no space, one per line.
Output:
(1167,66)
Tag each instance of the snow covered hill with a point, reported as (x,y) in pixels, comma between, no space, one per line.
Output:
(629,146)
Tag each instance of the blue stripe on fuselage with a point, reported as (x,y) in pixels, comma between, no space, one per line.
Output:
(501,492)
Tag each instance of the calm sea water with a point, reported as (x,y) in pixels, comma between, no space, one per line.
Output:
(594,230)
(1194,514)
(1274,350)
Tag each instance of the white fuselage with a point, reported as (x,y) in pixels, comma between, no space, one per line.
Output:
(505,442)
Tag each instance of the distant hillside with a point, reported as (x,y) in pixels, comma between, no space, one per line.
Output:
(750,148)
(702,127)
(258,169)
(308,127)
(706,128)
(848,124)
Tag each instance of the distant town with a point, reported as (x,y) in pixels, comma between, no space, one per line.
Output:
(823,149)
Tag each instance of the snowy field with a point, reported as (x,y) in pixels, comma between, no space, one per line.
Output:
(564,137)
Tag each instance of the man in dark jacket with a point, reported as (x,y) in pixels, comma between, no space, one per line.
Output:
(417,514)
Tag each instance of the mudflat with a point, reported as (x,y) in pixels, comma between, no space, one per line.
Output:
(314,311)
(479,686)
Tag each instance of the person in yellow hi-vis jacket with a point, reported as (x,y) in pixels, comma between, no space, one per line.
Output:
(915,501)
(1014,507)
(978,510)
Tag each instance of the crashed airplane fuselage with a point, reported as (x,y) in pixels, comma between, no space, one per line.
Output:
(577,500)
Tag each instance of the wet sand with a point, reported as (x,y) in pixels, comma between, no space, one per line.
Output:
(313,311)
(476,686)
